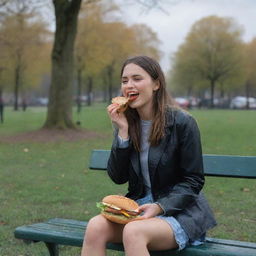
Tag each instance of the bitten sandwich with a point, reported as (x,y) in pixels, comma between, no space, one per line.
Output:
(122,102)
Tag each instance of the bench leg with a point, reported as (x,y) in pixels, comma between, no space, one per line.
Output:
(53,249)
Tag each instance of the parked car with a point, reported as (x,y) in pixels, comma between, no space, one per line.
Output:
(42,101)
(182,102)
(240,102)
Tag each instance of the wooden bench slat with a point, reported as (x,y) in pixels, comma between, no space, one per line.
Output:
(99,159)
(231,242)
(71,232)
(214,165)
(59,231)
(230,166)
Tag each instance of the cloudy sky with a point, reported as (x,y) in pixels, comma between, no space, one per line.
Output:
(174,22)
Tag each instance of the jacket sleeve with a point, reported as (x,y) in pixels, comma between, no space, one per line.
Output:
(119,162)
(190,169)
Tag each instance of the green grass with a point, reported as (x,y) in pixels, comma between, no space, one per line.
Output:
(45,180)
(227,131)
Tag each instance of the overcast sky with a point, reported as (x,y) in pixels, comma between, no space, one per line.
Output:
(173,24)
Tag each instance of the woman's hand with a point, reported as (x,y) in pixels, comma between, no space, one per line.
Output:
(150,210)
(119,120)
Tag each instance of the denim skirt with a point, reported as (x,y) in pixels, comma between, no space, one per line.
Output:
(180,235)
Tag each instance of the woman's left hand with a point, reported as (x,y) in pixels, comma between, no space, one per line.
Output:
(150,210)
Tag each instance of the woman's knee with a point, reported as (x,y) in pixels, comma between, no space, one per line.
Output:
(96,225)
(132,233)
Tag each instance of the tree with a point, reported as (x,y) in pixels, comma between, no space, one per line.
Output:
(212,52)
(146,41)
(2,69)
(90,48)
(59,113)
(100,47)
(139,39)
(250,75)
(182,76)
(60,97)
(21,36)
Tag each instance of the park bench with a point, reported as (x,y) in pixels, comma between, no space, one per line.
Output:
(55,232)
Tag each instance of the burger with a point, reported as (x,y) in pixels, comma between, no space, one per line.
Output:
(122,103)
(119,209)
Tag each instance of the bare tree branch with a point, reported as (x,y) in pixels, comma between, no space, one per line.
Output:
(3,3)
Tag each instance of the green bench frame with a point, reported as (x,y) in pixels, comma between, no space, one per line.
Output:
(55,232)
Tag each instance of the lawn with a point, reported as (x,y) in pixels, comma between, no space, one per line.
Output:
(42,180)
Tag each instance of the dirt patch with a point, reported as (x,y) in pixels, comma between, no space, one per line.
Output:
(51,135)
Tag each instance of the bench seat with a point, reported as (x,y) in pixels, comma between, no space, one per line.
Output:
(59,231)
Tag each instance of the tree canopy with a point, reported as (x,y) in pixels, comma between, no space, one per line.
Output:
(103,43)
(211,54)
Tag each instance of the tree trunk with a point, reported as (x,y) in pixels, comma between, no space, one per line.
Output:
(1,106)
(59,113)
(89,91)
(247,93)
(212,93)
(110,82)
(222,91)
(79,90)
(105,89)
(16,88)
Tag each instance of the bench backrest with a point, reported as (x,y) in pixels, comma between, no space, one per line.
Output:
(214,165)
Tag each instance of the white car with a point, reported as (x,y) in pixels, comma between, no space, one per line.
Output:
(240,102)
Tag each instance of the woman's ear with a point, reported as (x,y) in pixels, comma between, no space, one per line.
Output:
(156,86)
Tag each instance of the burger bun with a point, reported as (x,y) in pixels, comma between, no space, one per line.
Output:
(123,203)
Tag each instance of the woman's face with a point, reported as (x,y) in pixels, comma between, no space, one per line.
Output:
(138,85)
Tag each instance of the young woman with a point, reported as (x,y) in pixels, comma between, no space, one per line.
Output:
(157,150)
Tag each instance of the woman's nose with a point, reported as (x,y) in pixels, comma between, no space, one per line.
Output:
(129,84)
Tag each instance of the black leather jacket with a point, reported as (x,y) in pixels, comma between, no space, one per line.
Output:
(176,173)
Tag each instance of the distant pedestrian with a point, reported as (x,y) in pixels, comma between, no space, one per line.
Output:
(1,109)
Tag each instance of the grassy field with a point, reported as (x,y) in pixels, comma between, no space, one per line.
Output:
(50,179)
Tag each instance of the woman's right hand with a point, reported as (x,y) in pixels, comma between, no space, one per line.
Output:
(119,120)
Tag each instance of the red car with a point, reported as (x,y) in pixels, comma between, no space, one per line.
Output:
(182,102)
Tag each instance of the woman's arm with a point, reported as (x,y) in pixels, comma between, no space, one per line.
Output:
(119,160)
(191,167)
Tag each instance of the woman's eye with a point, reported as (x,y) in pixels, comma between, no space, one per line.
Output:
(124,82)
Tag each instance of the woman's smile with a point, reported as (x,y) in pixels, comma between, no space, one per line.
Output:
(132,95)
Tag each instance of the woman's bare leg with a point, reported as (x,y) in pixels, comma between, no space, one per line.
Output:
(99,231)
(150,234)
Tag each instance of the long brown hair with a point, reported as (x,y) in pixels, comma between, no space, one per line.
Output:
(161,100)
